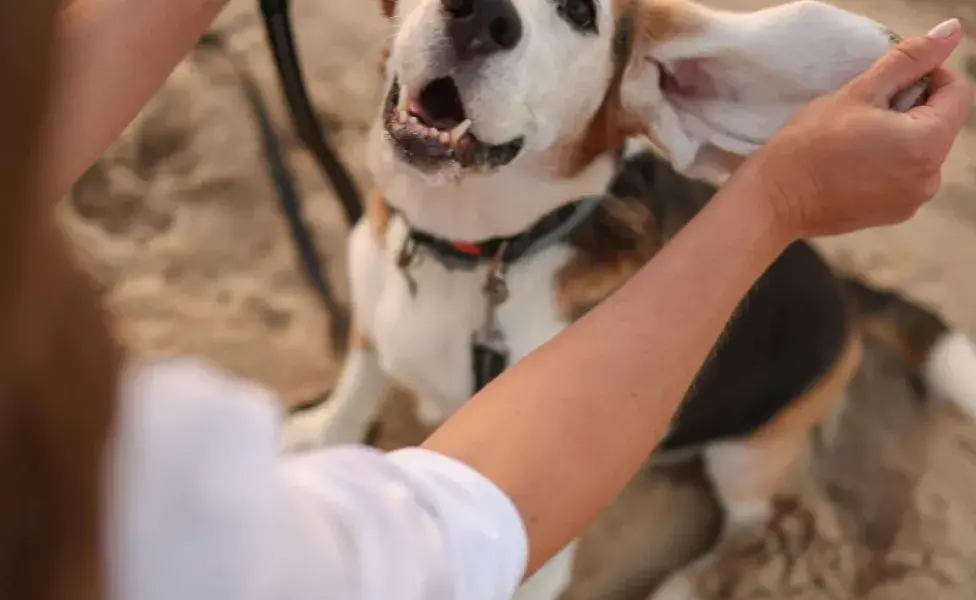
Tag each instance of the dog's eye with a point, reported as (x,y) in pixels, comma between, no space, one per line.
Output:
(581,14)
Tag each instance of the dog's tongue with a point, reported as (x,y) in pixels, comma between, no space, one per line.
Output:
(416,108)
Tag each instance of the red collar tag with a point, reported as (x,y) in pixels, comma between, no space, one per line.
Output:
(467,248)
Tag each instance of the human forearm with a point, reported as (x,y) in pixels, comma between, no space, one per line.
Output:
(115,54)
(578,417)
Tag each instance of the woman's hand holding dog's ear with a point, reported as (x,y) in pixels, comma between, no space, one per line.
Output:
(848,162)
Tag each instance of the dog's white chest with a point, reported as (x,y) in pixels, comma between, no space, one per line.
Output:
(424,339)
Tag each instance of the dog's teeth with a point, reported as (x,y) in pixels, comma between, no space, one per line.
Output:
(459,132)
(414,121)
(444,138)
(404,101)
(433,133)
(402,116)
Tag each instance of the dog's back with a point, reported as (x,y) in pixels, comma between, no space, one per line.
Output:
(788,334)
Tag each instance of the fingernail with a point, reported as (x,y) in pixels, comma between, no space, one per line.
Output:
(945,29)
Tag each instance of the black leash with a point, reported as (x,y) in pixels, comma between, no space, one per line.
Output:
(288,197)
(282,41)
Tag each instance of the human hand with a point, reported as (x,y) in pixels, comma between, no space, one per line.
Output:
(848,161)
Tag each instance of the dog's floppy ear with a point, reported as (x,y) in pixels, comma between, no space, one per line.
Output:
(712,86)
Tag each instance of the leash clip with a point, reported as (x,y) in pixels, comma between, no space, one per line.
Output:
(489,352)
(496,288)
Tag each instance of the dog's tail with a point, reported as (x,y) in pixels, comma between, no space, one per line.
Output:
(940,358)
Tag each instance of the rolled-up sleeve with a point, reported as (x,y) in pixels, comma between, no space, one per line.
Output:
(412,524)
(203,506)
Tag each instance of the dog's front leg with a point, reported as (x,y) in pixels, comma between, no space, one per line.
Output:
(347,414)
(746,474)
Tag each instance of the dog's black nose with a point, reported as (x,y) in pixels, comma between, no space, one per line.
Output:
(482,27)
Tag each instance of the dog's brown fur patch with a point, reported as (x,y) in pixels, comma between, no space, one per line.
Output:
(654,21)
(658,21)
(378,215)
(607,130)
(388,7)
(610,247)
(640,212)
(907,330)
(358,339)
(384,57)
(812,407)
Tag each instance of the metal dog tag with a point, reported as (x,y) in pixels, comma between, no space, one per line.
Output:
(488,362)
(489,353)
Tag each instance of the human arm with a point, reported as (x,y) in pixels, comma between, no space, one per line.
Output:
(564,429)
(115,54)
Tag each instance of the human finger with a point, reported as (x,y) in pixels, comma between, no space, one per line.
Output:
(948,104)
(906,63)
(950,99)
(912,96)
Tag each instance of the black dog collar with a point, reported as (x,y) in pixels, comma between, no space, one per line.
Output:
(550,229)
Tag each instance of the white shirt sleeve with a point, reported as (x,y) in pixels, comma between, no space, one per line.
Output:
(201,506)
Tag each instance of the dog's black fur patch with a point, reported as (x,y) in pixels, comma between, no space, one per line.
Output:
(787,333)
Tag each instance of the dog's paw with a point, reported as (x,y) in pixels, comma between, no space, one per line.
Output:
(305,430)
(689,582)
(679,586)
(316,428)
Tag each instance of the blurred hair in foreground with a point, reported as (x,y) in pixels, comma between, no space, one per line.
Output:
(59,363)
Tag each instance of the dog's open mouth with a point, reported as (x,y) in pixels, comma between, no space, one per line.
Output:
(431,129)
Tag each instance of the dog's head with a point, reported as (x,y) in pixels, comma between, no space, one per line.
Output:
(479,87)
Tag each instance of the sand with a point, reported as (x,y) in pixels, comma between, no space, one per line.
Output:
(178,222)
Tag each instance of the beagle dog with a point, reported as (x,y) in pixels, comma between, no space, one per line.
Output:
(531,155)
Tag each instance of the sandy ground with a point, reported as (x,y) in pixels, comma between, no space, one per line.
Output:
(178,221)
